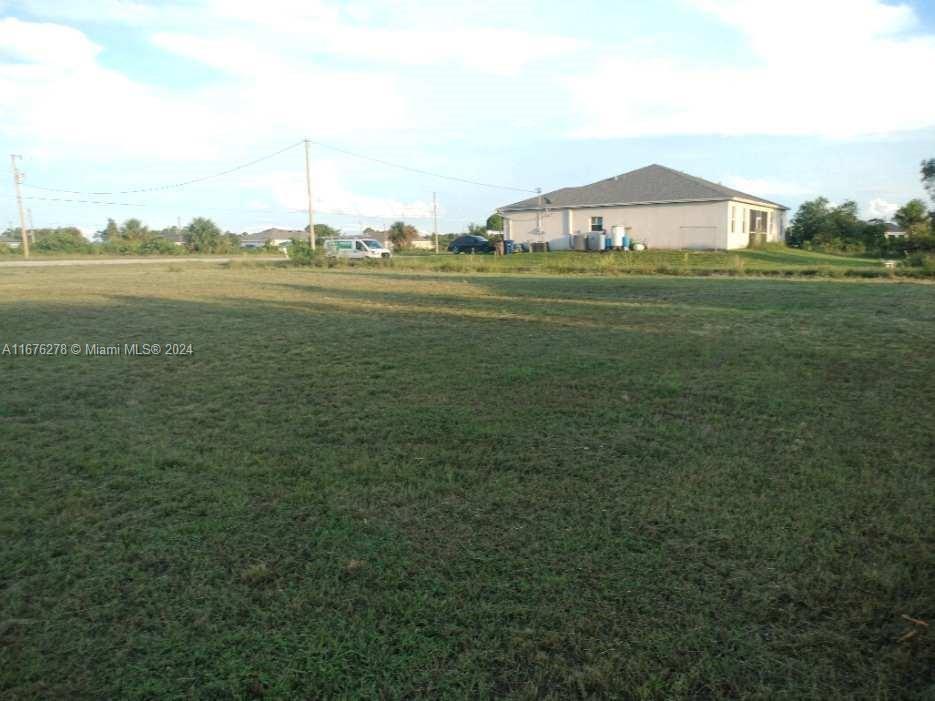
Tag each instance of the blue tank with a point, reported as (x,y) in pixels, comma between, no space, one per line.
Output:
(626,242)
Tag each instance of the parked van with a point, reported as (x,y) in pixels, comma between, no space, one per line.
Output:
(355,248)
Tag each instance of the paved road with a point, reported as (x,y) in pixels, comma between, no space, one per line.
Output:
(52,262)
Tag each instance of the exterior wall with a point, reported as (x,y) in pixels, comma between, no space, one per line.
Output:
(691,225)
(738,232)
(687,225)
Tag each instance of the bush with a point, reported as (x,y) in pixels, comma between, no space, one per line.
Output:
(153,245)
(301,253)
(827,243)
(62,241)
(921,259)
(160,246)
(7,250)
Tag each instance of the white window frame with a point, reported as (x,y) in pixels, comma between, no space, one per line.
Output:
(595,220)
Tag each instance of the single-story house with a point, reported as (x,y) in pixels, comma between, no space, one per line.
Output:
(173,235)
(894,231)
(423,244)
(274,236)
(12,243)
(658,206)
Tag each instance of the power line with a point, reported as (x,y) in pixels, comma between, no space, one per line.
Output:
(337,213)
(171,186)
(419,170)
(354,154)
(65,199)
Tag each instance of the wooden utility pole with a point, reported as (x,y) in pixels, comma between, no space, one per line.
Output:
(311,210)
(435,221)
(17,179)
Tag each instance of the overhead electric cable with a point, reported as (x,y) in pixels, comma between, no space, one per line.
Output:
(419,170)
(173,185)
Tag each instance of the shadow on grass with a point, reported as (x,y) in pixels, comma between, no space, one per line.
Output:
(326,501)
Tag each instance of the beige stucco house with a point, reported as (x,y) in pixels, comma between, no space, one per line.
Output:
(659,206)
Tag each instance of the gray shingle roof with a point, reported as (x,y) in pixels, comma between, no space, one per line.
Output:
(652,184)
(271,234)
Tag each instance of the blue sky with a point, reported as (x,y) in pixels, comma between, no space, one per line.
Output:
(785,100)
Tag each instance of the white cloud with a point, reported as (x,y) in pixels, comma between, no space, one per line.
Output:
(826,68)
(62,100)
(331,196)
(878,208)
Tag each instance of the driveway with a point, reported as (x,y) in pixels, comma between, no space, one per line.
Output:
(52,262)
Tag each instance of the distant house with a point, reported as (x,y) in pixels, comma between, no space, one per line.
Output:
(12,243)
(173,235)
(423,244)
(274,237)
(659,206)
(894,231)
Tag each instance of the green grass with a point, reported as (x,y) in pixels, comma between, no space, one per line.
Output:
(370,484)
(773,261)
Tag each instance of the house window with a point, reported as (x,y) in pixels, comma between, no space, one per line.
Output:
(733,219)
(597,223)
(757,221)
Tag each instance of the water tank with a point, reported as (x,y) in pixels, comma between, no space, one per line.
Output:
(581,242)
(617,233)
(596,241)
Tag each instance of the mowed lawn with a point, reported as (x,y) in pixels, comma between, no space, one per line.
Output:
(377,484)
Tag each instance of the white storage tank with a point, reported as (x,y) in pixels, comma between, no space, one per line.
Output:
(617,233)
(581,242)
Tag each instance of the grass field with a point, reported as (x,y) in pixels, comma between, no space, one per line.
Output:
(379,484)
(772,261)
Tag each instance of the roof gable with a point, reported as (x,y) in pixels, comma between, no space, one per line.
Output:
(651,184)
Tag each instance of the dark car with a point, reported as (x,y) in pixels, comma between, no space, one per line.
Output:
(469,243)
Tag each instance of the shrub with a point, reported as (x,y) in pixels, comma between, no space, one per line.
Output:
(920,259)
(62,241)
(7,250)
(301,253)
(152,245)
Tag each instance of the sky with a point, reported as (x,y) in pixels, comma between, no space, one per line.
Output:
(786,100)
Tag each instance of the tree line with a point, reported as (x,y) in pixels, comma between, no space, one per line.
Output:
(132,237)
(819,225)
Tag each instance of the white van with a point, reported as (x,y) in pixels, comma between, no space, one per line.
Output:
(355,248)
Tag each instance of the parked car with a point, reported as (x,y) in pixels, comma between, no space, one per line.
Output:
(469,243)
(355,249)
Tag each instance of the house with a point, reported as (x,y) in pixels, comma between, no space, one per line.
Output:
(893,231)
(274,236)
(423,244)
(174,235)
(658,206)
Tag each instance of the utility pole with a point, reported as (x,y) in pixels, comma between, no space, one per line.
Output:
(311,210)
(17,179)
(539,214)
(435,220)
